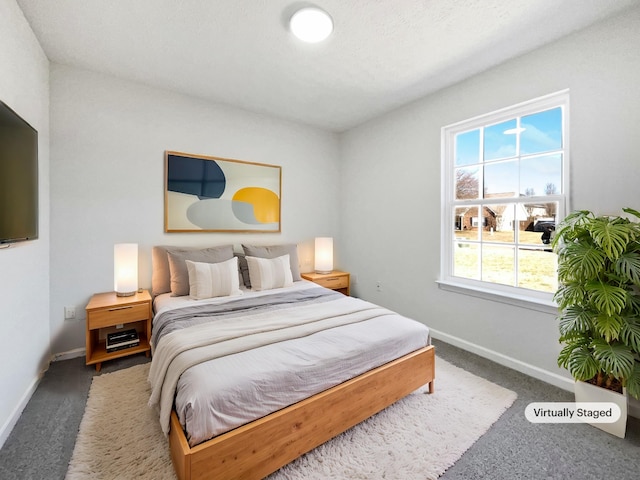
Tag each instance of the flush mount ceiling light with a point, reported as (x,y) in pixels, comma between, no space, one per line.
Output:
(311,24)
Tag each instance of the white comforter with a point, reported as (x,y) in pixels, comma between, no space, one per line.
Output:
(228,372)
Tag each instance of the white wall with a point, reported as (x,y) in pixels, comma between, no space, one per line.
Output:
(24,267)
(107,180)
(391,178)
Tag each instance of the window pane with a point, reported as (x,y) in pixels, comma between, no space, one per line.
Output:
(541,175)
(466,260)
(501,222)
(537,269)
(540,226)
(498,264)
(467,183)
(468,148)
(497,143)
(542,132)
(501,179)
(466,223)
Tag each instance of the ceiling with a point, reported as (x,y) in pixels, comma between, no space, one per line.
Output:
(382,54)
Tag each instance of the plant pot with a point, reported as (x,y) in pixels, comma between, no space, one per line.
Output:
(586,392)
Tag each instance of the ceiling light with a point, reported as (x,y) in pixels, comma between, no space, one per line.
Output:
(311,24)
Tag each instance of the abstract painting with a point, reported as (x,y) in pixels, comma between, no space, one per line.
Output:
(211,194)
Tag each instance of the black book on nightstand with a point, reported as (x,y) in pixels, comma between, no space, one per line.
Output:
(121,340)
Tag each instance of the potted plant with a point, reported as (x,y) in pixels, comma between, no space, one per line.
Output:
(599,303)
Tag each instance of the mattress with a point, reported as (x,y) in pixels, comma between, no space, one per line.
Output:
(217,395)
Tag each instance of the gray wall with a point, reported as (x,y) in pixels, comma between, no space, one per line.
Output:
(24,267)
(391,179)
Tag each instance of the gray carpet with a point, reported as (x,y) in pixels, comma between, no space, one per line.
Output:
(41,444)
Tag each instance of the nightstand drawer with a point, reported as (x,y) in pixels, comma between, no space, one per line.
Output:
(341,281)
(118,314)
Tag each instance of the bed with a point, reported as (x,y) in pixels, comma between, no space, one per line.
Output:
(262,367)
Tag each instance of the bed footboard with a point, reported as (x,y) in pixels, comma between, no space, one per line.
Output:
(261,447)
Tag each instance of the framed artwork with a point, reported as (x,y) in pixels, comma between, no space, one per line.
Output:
(211,194)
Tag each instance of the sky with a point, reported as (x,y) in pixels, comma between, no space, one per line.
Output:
(521,155)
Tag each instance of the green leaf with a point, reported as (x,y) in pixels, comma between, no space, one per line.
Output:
(575,319)
(628,266)
(578,342)
(630,333)
(582,261)
(612,237)
(567,229)
(631,211)
(634,303)
(582,365)
(633,381)
(608,326)
(615,359)
(569,294)
(609,299)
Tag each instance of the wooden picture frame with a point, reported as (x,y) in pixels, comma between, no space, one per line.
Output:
(213,194)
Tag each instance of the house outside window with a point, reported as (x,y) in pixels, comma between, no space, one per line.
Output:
(504,188)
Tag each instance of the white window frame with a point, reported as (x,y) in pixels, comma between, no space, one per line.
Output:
(536,300)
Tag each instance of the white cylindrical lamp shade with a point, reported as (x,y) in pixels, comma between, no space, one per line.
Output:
(324,255)
(125,269)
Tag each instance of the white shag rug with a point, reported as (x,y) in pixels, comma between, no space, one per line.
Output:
(418,437)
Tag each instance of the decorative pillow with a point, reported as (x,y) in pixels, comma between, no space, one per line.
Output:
(179,276)
(268,273)
(161,277)
(274,251)
(207,280)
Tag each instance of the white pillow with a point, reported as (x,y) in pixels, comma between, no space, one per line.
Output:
(268,273)
(208,280)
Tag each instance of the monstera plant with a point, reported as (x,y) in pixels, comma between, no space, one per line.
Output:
(599,298)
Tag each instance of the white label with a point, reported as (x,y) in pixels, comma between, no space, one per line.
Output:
(572,412)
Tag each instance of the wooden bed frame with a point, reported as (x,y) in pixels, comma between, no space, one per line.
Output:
(261,447)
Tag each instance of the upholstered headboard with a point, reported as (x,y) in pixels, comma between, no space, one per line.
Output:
(170,272)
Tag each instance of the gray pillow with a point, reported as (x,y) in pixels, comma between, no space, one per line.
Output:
(161,277)
(178,266)
(274,251)
(243,268)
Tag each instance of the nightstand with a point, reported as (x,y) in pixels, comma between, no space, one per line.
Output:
(107,313)
(336,280)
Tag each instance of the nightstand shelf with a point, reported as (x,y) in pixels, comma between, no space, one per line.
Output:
(99,353)
(107,313)
(336,280)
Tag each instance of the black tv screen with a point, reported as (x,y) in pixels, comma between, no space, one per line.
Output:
(18,178)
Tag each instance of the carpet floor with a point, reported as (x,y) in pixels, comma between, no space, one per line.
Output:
(41,444)
(419,437)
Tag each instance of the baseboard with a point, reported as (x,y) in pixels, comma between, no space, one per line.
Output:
(522,367)
(531,370)
(17,411)
(6,429)
(75,353)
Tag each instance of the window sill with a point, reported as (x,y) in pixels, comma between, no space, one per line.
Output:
(522,301)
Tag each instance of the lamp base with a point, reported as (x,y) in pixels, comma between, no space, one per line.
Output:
(125,294)
(324,272)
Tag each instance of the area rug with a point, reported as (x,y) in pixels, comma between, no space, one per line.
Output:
(418,437)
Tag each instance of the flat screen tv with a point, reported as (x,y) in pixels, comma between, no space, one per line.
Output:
(18,178)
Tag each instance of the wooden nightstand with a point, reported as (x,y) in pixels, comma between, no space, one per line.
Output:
(107,313)
(336,280)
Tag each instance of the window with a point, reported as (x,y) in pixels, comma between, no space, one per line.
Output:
(505,180)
